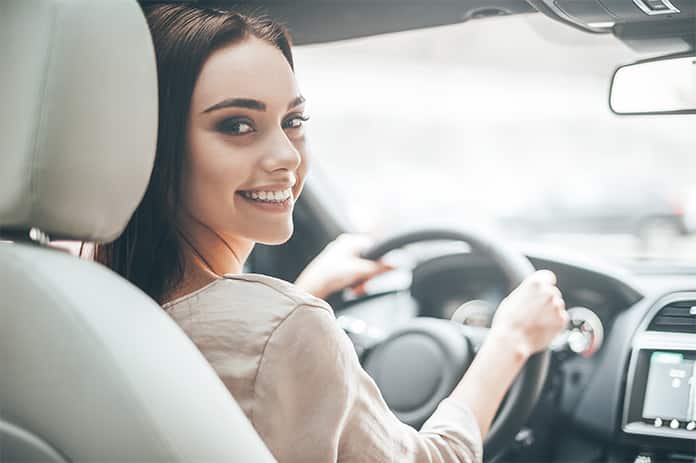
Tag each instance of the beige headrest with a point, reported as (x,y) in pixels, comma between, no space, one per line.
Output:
(78,115)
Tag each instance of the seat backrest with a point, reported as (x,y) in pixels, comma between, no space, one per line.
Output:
(91,369)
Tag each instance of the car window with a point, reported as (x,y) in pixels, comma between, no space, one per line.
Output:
(496,124)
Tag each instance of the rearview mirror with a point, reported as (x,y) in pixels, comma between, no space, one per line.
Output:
(661,86)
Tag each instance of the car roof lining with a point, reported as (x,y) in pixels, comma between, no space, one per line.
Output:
(318,21)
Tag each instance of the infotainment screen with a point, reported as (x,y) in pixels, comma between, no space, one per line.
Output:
(670,394)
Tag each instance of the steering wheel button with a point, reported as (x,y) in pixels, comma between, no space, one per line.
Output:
(410,372)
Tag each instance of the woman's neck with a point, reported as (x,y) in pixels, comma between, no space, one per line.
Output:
(207,256)
(214,253)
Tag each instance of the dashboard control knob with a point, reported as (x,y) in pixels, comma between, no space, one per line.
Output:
(584,335)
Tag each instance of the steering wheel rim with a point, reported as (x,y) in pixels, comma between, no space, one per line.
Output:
(524,393)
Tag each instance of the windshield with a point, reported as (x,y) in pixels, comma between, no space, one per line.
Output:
(500,124)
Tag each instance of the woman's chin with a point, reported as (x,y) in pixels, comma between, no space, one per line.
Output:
(274,237)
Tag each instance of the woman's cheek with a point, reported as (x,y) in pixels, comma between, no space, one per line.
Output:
(305,157)
(302,172)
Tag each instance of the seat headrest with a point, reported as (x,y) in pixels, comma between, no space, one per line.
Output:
(78,115)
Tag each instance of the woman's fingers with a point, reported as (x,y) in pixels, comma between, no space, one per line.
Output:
(544,277)
(353,243)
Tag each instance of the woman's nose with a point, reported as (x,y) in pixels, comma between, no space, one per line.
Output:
(281,153)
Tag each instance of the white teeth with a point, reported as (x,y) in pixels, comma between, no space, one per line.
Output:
(269,196)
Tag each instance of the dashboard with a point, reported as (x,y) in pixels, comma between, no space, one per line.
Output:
(633,398)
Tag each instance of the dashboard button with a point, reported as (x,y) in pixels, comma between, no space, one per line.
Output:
(691,425)
(674,424)
(658,422)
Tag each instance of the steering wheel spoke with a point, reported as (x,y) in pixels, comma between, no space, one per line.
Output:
(476,335)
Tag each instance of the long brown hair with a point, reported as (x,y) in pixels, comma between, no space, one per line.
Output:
(148,253)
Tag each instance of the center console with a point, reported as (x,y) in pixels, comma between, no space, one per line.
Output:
(660,396)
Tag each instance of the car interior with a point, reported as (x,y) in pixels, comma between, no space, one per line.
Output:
(91,369)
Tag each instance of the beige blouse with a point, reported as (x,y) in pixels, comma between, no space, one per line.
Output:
(295,374)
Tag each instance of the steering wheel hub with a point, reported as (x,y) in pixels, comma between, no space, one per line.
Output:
(418,365)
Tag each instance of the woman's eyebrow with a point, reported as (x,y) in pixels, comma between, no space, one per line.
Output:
(248,103)
(296,102)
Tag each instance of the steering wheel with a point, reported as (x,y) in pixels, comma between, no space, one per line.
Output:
(421,362)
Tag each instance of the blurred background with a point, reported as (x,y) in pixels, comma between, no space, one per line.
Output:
(502,126)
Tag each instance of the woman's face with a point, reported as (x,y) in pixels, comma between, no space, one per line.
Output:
(246,162)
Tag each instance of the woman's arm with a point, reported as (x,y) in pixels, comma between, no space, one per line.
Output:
(488,378)
(525,323)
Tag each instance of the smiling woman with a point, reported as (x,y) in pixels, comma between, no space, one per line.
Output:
(231,161)
(246,161)
(191,197)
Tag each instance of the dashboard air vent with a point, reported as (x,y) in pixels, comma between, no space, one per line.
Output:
(678,317)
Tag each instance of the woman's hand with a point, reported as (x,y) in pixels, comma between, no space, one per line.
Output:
(340,266)
(533,314)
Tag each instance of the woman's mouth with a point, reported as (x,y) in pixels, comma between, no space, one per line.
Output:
(268,196)
(278,200)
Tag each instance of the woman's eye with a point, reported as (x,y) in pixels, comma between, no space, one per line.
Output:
(295,122)
(235,127)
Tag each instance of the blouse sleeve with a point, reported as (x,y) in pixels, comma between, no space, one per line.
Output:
(315,403)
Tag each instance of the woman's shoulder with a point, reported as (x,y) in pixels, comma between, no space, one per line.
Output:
(274,287)
(243,297)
